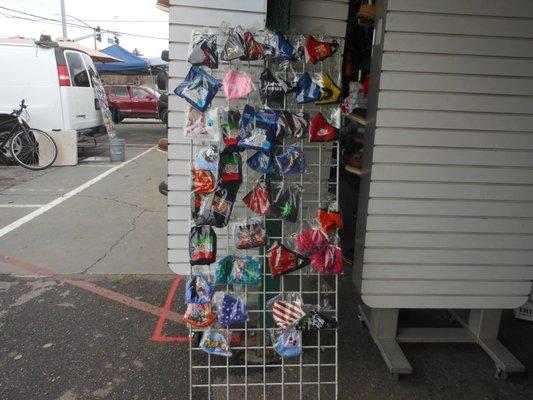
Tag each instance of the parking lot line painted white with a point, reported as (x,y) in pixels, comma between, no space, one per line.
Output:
(21,205)
(41,210)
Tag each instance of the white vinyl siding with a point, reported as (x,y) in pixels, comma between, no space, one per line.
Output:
(449,218)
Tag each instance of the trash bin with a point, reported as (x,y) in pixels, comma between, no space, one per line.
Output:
(116,150)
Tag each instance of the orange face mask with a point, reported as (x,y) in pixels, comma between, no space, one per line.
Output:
(329,220)
(203,181)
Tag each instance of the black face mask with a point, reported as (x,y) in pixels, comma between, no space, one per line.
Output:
(271,88)
(204,52)
(235,47)
(285,201)
(230,169)
(202,245)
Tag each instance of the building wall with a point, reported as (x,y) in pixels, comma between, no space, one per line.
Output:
(447,216)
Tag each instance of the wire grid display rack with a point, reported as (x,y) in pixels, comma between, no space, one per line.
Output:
(255,371)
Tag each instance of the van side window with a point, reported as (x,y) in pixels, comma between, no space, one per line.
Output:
(78,73)
(119,91)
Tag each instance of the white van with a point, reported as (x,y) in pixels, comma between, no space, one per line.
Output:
(55,82)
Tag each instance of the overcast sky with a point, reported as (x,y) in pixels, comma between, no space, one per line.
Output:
(129,16)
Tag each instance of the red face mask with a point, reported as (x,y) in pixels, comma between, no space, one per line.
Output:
(281,260)
(203,181)
(329,261)
(321,130)
(258,200)
(329,220)
(254,49)
(317,51)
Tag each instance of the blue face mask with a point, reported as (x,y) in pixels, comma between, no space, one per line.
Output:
(198,88)
(309,90)
(289,344)
(262,163)
(258,129)
(292,161)
(198,290)
(284,50)
(231,310)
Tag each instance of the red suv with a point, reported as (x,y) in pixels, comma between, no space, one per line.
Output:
(130,101)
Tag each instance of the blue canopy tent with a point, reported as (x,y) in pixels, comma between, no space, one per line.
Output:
(131,64)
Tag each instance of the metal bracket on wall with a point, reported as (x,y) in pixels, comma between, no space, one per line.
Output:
(477,326)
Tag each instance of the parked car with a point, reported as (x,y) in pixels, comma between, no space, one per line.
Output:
(131,101)
(55,82)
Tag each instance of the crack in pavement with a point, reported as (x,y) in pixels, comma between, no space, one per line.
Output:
(115,200)
(133,227)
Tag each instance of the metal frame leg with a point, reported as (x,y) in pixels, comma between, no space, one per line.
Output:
(383,325)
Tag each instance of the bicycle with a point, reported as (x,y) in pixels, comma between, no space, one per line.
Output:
(22,143)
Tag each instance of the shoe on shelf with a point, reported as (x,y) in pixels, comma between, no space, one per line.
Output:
(366,13)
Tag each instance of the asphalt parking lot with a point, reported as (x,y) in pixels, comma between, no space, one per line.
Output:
(89,309)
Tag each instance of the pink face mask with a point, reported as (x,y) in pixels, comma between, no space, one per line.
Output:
(236,85)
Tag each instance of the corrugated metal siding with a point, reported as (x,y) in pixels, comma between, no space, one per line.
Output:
(449,218)
(186,16)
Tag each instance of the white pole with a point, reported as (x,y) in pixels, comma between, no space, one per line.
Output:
(63,19)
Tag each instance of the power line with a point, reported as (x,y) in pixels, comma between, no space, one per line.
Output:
(77,25)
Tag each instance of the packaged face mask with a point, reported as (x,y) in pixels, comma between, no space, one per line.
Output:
(235,46)
(212,209)
(287,309)
(204,51)
(203,181)
(230,125)
(271,88)
(198,89)
(292,161)
(198,290)
(254,49)
(329,219)
(258,129)
(262,163)
(316,320)
(199,315)
(248,236)
(329,261)
(258,200)
(231,310)
(212,123)
(309,91)
(301,125)
(202,245)
(282,260)
(288,343)
(207,159)
(285,201)
(195,126)
(236,85)
(284,50)
(320,130)
(238,270)
(318,51)
(230,175)
(310,242)
(330,91)
(215,342)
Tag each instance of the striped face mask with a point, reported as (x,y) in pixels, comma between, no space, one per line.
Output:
(287,312)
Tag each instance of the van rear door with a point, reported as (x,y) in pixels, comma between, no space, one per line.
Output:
(79,105)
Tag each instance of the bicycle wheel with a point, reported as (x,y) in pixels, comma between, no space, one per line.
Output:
(33,149)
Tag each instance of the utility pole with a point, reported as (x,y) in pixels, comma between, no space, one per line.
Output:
(63,19)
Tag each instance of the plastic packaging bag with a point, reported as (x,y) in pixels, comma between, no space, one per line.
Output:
(237,85)
(207,159)
(318,51)
(258,200)
(320,130)
(309,90)
(204,51)
(203,181)
(316,320)
(199,315)
(198,290)
(212,123)
(262,163)
(198,89)
(215,342)
(329,261)
(258,129)
(287,343)
(234,47)
(282,260)
(329,218)
(301,125)
(285,201)
(271,87)
(330,91)
(230,171)
(238,270)
(248,236)
(217,208)
(195,125)
(292,161)
(287,309)
(231,309)
(202,245)
(254,49)
(230,124)
(310,242)
(284,50)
